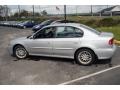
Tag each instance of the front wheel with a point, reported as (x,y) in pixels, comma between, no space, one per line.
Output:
(24,27)
(85,57)
(20,52)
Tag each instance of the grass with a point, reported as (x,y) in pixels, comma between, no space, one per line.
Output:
(90,17)
(115,30)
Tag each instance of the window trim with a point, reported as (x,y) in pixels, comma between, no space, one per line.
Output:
(68,26)
(43,32)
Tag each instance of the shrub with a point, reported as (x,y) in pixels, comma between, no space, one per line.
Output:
(92,22)
(107,22)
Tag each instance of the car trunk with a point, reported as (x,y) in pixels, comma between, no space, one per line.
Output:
(109,38)
(106,34)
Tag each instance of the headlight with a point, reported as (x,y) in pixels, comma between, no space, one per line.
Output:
(37,26)
(21,25)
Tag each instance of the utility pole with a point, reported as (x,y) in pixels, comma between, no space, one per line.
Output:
(107,6)
(33,11)
(91,10)
(40,10)
(6,12)
(76,10)
(18,11)
(65,12)
(111,14)
(100,13)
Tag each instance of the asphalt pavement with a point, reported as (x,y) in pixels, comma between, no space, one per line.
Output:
(111,77)
(46,70)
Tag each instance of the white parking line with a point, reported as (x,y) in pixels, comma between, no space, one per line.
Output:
(90,75)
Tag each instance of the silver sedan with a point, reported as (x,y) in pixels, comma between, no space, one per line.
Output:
(66,40)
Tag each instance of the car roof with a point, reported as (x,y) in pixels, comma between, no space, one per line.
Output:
(65,24)
(64,21)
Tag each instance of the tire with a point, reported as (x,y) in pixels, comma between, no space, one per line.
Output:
(85,57)
(24,27)
(20,52)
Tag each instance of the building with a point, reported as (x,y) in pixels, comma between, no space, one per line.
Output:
(114,10)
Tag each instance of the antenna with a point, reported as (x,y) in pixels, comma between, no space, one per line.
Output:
(65,12)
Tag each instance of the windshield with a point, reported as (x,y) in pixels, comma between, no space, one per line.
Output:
(32,34)
(45,22)
(25,22)
(91,29)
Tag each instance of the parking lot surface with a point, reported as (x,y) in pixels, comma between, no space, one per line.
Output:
(46,70)
(106,78)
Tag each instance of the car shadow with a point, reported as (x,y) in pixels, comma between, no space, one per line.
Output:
(72,61)
(103,61)
(55,59)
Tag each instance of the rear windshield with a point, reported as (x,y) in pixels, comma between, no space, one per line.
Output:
(91,29)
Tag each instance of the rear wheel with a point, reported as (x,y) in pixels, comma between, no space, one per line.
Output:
(85,57)
(20,52)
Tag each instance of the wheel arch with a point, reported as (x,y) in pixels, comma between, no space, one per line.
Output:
(17,45)
(85,48)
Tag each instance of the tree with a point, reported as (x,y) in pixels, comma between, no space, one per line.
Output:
(16,14)
(37,14)
(24,13)
(1,9)
(4,11)
(44,12)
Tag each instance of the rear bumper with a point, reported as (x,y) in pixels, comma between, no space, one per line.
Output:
(106,53)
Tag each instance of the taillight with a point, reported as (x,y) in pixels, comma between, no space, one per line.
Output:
(111,41)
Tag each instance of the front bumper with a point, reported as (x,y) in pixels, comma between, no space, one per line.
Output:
(106,53)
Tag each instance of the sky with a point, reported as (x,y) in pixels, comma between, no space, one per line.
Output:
(51,9)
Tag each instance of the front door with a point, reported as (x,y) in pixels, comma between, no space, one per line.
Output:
(41,44)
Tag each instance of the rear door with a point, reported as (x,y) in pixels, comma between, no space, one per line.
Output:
(66,40)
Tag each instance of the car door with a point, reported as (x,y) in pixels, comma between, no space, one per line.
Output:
(41,44)
(29,24)
(66,40)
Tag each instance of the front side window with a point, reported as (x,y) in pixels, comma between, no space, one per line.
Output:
(68,32)
(45,33)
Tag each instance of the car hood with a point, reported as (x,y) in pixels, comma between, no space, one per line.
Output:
(19,39)
(37,26)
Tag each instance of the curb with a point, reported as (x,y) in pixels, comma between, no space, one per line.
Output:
(117,42)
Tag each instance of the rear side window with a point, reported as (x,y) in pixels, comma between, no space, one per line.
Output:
(68,32)
(91,29)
